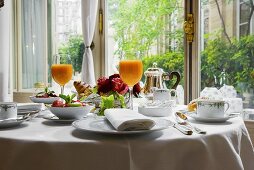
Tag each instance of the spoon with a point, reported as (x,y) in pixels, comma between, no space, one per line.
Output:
(182,119)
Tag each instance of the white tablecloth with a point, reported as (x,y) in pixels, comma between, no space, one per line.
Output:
(43,145)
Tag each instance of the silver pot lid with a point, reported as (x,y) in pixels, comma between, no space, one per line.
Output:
(154,71)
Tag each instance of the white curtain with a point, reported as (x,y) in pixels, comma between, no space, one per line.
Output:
(5,36)
(89,11)
(33,42)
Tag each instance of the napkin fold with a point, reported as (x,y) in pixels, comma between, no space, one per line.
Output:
(128,120)
(31,106)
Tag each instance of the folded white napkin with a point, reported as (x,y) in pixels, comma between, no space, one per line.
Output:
(31,106)
(127,120)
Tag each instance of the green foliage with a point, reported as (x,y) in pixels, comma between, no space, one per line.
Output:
(234,62)
(73,51)
(139,25)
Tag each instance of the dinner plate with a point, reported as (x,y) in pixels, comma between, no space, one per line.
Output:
(102,125)
(211,120)
(54,118)
(7,123)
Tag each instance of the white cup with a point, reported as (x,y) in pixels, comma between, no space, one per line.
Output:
(211,108)
(164,94)
(8,110)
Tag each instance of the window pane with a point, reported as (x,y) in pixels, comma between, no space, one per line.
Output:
(244,30)
(227,56)
(148,30)
(68,40)
(33,42)
(244,12)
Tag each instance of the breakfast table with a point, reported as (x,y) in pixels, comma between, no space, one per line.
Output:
(43,144)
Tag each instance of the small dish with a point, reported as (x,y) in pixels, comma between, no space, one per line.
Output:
(156,108)
(7,123)
(155,111)
(56,119)
(48,100)
(71,112)
(211,120)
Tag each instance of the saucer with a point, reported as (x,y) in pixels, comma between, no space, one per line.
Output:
(7,123)
(211,120)
(48,100)
(56,119)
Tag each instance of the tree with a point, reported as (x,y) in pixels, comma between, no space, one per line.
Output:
(139,25)
(73,50)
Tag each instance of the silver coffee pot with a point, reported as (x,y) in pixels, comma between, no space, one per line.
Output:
(155,79)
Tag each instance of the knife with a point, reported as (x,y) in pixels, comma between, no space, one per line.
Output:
(183,129)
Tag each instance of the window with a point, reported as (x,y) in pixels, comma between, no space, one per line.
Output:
(227,47)
(148,30)
(31,60)
(245,26)
(46,28)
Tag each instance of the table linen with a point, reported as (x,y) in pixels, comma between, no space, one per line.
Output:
(40,144)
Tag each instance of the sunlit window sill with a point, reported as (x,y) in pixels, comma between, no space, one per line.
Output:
(22,97)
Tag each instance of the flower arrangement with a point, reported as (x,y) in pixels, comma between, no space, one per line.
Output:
(114,92)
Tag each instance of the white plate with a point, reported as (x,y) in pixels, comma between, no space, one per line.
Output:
(48,100)
(7,123)
(211,120)
(54,118)
(102,125)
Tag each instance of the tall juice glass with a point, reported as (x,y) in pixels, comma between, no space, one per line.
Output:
(61,73)
(131,72)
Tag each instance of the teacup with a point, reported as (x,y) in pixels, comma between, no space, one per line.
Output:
(164,94)
(8,110)
(211,108)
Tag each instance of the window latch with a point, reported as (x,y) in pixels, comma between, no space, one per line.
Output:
(100,21)
(189,28)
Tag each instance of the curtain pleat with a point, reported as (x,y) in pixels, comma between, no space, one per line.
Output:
(5,22)
(89,12)
(33,42)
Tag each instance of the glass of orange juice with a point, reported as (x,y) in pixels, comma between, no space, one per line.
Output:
(131,72)
(61,73)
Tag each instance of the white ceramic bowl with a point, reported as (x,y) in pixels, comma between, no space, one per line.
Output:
(48,100)
(71,112)
(155,111)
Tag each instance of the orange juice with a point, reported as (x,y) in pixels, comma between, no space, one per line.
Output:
(131,71)
(61,73)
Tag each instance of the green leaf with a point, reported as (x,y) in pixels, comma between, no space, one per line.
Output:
(67,98)
(122,101)
(106,103)
(95,90)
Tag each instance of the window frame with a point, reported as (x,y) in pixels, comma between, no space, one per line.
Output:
(16,64)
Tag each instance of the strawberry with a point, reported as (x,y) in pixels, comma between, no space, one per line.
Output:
(57,103)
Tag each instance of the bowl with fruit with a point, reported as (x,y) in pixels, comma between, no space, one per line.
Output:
(46,96)
(67,108)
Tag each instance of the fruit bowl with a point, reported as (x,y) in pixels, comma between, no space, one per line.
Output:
(71,112)
(46,100)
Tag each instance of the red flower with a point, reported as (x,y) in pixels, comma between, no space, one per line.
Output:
(103,84)
(136,90)
(119,86)
(114,76)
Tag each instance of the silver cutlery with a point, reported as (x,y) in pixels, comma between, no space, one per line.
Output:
(184,130)
(182,119)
